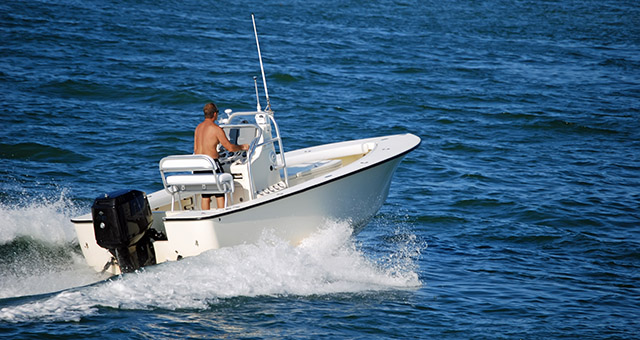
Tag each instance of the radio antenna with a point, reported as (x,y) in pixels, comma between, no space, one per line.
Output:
(264,79)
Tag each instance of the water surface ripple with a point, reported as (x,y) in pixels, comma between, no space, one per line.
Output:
(518,216)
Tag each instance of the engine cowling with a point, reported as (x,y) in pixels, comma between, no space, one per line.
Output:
(121,222)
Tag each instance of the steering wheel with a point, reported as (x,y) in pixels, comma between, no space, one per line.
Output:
(228,157)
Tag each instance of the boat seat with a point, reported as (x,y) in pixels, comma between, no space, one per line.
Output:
(186,177)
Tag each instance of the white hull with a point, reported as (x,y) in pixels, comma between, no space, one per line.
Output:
(353,192)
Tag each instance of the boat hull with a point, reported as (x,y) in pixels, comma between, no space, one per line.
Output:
(353,199)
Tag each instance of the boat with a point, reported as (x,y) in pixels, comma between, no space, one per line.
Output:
(291,194)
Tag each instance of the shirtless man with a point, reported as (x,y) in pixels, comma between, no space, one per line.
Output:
(205,142)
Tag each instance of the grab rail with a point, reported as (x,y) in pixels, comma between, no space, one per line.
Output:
(284,162)
(193,182)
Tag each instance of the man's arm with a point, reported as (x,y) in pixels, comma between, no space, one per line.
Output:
(222,137)
(195,145)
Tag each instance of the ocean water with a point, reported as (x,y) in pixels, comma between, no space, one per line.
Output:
(518,217)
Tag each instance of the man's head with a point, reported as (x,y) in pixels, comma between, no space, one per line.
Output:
(210,110)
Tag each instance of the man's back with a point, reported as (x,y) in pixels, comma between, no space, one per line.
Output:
(206,139)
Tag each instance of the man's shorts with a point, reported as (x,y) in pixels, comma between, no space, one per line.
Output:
(219,170)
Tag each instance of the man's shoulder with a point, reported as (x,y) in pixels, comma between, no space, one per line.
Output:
(209,126)
(216,127)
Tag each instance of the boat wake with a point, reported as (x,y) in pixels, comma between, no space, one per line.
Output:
(328,262)
(39,252)
(40,218)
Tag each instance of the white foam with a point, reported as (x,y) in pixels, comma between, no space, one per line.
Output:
(326,263)
(40,218)
(41,278)
(48,262)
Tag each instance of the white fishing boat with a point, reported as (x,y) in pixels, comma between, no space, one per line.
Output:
(291,194)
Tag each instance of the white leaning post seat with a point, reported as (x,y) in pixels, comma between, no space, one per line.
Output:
(185,181)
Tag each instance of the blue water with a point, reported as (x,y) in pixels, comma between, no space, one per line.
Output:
(517,217)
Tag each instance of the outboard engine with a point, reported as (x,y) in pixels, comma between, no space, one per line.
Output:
(121,221)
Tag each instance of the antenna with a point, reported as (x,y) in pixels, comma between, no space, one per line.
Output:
(264,79)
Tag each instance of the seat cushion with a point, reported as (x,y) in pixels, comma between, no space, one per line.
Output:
(200,179)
